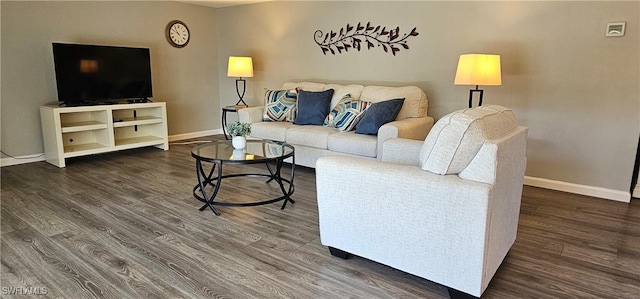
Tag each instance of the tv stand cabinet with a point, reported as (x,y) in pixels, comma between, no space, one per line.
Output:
(79,131)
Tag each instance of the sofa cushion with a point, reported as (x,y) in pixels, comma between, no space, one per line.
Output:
(270,130)
(415,100)
(354,144)
(311,136)
(342,90)
(279,105)
(377,115)
(313,107)
(346,114)
(456,138)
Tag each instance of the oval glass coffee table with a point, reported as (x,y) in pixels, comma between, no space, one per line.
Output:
(220,153)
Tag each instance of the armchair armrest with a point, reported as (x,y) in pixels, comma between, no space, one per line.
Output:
(402,151)
(411,128)
(251,114)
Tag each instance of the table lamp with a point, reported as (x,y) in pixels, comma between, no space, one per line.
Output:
(240,67)
(478,69)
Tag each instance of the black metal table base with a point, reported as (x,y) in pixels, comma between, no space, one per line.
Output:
(204,180)
(226,110)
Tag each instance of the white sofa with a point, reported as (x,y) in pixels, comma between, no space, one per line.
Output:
(445,209)
(312,141)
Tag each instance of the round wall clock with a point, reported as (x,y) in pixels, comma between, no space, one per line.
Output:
(177,34)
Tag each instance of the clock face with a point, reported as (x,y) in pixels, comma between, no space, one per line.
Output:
(177,34)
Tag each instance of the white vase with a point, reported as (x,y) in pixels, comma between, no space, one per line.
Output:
(239,142)
(238,154)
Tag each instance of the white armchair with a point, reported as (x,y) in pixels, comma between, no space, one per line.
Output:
(445,209)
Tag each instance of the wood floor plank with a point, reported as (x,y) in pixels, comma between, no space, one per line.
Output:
(136,279)
(284,269)
(225,270)
(206,222)
(126,225)
(559,277)
(129,277)
(172,269)
(10,222)
(61,267)
(28,210)
(394,284)
(19,276)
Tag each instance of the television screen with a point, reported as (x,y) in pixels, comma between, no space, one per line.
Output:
(87,74)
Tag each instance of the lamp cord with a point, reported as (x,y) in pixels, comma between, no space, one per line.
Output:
(21,158)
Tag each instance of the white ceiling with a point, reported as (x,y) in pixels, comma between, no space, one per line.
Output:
(222,3)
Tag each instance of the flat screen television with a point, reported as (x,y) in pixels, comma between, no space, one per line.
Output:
(93,74)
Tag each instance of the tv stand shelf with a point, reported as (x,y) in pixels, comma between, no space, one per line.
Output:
(83,126)
(86,130)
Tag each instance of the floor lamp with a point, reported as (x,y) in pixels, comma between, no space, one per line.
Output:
(478,69)
(240,67)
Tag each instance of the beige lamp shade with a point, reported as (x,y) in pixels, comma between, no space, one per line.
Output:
(478,69)
(240,67)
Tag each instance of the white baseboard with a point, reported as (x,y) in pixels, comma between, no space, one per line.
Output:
(611,194)
(194,135)
(8,161)
(636,191)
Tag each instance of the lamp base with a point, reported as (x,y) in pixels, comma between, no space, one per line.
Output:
(241,95)
(480,91)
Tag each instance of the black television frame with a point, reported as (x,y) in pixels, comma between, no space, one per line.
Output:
(90,74)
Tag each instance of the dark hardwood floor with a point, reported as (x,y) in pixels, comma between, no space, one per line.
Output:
(125,225)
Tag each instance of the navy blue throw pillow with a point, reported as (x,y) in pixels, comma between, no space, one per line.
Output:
(377,115)
(313,107)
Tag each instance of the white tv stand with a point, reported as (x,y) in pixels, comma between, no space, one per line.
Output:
(86,130)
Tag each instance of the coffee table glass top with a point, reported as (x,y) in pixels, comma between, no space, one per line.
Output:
(256,151)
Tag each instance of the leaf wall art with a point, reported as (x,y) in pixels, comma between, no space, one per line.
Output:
(358,36)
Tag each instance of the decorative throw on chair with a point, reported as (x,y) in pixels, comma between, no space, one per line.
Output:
(457,137)
(280,105)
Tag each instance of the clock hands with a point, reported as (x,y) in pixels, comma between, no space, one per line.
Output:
(178,34)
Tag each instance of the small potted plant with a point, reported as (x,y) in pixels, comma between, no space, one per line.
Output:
(239,132)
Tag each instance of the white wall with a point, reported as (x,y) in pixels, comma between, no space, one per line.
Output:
(576,90)
(186,78)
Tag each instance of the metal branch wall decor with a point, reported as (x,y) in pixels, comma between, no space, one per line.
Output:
(352,37)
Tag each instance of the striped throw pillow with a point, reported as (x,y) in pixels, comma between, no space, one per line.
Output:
(280,105)
(346,114)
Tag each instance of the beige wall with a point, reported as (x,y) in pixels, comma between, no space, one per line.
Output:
(576,90)
(185,78)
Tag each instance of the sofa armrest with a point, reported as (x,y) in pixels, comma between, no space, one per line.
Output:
(250,114)
(402,151)
(411,128)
